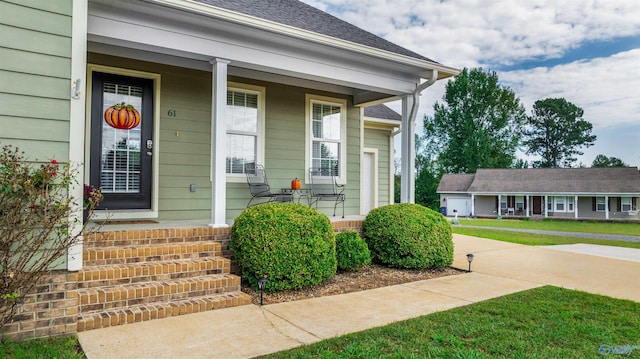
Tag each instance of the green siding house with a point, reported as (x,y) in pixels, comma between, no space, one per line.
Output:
(220,85)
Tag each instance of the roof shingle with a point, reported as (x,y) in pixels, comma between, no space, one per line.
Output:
(549,180)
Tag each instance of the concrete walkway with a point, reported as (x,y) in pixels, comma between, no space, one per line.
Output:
(499,268)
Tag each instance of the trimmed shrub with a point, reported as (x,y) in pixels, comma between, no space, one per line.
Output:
(351,251)
(409,236)
(291,245)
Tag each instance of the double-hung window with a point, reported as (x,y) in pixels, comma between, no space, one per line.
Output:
(600,204)
(326,135)
(570,204)
(559,204)
(244,125)
(626,204)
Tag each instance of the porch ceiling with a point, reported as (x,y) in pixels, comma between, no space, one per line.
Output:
(151,32)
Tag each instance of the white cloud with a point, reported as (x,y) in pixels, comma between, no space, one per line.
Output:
(464,33)
(605,88)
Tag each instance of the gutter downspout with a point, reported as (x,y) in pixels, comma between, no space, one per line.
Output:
(410,105)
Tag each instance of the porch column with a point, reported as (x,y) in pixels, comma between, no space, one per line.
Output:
(473,204)
(218,143)
(407,153)
(575,206)
(606,207)
(526,208)
(76,125)
(546,206)
(499,205)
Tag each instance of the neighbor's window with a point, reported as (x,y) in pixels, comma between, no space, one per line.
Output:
(626,204)
(569,204)
(550,204)
(244,122)
(503,202)
(559,204)
(519,203)
(327,135)
(600,204)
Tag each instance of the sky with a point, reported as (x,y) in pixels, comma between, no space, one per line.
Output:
(587,52)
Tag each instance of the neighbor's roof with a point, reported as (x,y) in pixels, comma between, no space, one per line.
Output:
(302,16)
(550,180)
(383,112)
(455,182)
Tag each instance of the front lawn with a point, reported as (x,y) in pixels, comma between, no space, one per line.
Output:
(625,229)
(534,239)
(59,348)
(547,322)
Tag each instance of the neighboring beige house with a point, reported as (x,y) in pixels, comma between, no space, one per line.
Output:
(585,193)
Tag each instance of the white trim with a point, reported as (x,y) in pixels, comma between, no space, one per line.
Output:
(392,167)
(155,161)
(218,143)
(295,32)
(77,124)
(260,146)
(342,103)
(374,184)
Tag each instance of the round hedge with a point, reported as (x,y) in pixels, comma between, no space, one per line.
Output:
(291,245)
(409,236)
(351,251)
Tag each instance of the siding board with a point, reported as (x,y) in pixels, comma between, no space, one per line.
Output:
(34,85)
(30,17)
(23,39)
(33,63)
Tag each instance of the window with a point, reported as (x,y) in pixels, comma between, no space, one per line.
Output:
(503,202)
(559,201)
(626,204)
(600,204)
(244,123)
(550,204)
(520,203)
(326,136)
(569,204)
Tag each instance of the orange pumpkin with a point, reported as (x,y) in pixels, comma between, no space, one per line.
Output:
(296,184)
(121,116)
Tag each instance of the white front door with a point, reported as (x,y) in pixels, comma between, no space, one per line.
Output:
(369,193)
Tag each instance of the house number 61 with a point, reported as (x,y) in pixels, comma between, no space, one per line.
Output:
(171,113)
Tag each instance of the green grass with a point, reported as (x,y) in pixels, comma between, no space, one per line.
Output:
(58,348)
(547,322)
(629,229)
(534,239)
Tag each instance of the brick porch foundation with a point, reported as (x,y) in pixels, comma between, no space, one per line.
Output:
(135,275)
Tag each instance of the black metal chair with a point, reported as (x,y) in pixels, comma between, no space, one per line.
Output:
(324,187)
(260,189)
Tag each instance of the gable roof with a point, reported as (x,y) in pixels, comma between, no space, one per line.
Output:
(455,182)
(297,14)
(609,180)
(383,112)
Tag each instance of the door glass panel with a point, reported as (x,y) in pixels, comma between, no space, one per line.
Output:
(120,162)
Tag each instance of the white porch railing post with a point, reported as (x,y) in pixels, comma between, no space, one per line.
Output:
(606,207)
(218,143)
(575,206)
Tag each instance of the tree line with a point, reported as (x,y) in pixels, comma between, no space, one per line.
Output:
(481,124)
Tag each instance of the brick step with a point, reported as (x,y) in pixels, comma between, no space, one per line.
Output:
(150,253)
(142,237)
(119,274)
(144,312)
(123,296)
